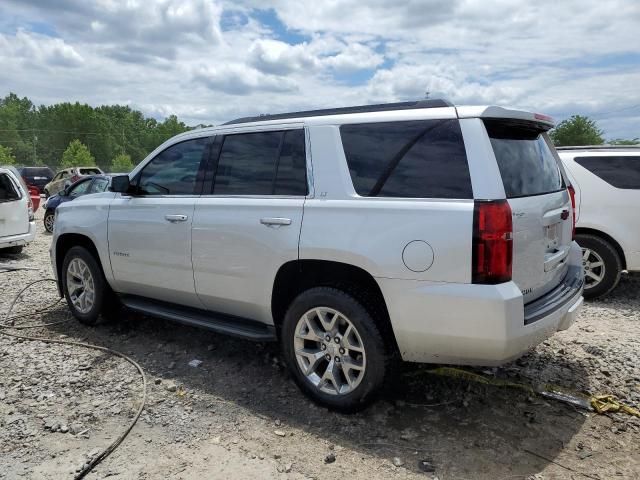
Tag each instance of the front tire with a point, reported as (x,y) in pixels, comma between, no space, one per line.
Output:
(48,221)
(602,265)
(334,349)
(87,292)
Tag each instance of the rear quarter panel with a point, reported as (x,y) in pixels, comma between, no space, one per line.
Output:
(372,233)
(605,208)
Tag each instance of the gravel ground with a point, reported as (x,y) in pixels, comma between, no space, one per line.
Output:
(239,415)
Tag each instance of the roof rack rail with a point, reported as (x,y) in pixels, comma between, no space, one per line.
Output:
(381,107)
(599,147)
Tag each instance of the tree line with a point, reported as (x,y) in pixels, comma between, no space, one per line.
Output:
(117,137)
(67,134)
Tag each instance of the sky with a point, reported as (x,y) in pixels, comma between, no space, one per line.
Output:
(209,61)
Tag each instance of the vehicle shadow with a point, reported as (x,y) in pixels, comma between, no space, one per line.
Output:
(464,429)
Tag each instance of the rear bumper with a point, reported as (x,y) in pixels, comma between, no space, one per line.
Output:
(476,324)
(22,239)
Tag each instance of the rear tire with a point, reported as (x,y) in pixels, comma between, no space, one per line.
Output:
(48,221)
(345,363)
(86,290)
(602,265)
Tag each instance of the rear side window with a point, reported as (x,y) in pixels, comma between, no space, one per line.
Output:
(90,171)
(415,159)
(262,163)
(621,172)
(525,158)
(8,190)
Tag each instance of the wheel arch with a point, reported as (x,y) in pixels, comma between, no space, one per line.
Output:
(296,276)
(64,243)
(608,238)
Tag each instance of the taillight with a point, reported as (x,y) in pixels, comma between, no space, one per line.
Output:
(572,194)
(492,242)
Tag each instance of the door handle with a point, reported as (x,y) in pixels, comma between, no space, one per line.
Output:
(275,221)
(176,218)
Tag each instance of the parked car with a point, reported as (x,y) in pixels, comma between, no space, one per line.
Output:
(66,177)
(84,186)
(17,225)
(354,236)
(34,193)
(607,185)
(36,176)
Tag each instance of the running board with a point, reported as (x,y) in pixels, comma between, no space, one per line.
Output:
(218,322)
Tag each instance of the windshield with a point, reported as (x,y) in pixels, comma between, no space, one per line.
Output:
(525,158)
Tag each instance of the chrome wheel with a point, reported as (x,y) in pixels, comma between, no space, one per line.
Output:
(594,269)
(329,351)
(80,285)
(48,222)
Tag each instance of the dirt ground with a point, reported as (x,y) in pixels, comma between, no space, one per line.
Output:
(239,415)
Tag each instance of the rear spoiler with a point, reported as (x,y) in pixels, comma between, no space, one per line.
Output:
(544,121)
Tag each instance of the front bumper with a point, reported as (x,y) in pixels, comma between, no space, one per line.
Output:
(468,324)
(22,239)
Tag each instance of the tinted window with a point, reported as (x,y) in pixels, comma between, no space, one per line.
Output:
(525,158)
(79,188)
(8,191)
(417,159)
(263,163)
(89,171)
(36,172)
(99,185)
(621,172)
(174,171)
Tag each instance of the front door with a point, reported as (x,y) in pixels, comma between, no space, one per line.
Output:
(150,229)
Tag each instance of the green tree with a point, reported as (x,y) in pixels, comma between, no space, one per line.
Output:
(577,130)
(6,156)
(77,155)
(122,163)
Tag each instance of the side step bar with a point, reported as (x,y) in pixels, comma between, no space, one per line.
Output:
(218,322)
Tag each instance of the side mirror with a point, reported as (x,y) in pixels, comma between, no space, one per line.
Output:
(120,184)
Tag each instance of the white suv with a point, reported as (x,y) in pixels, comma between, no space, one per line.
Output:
(607,185)
(17,223)
(353,236)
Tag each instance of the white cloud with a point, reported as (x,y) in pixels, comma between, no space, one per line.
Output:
(174,56)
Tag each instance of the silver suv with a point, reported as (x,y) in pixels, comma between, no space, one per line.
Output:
(354,236)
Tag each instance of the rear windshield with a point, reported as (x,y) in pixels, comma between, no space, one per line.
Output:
(90,171)
(525,158)
(36,172)
(8,191)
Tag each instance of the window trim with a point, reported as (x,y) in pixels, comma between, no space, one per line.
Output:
(200,173)
(216,151)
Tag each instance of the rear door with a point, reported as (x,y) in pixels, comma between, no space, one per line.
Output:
(14,211)
(248,224)
(534,185)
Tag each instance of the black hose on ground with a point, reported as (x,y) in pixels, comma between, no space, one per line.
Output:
(3,327)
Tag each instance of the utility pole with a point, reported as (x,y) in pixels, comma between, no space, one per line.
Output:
(35,139)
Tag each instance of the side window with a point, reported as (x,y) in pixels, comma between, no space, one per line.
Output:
(173,171)
(414,159)
(8,190)
(262,163)
(99,185)
(620,171)
(80,189)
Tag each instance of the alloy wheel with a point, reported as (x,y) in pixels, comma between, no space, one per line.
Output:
(329,351)
(594,268)
(80,285)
